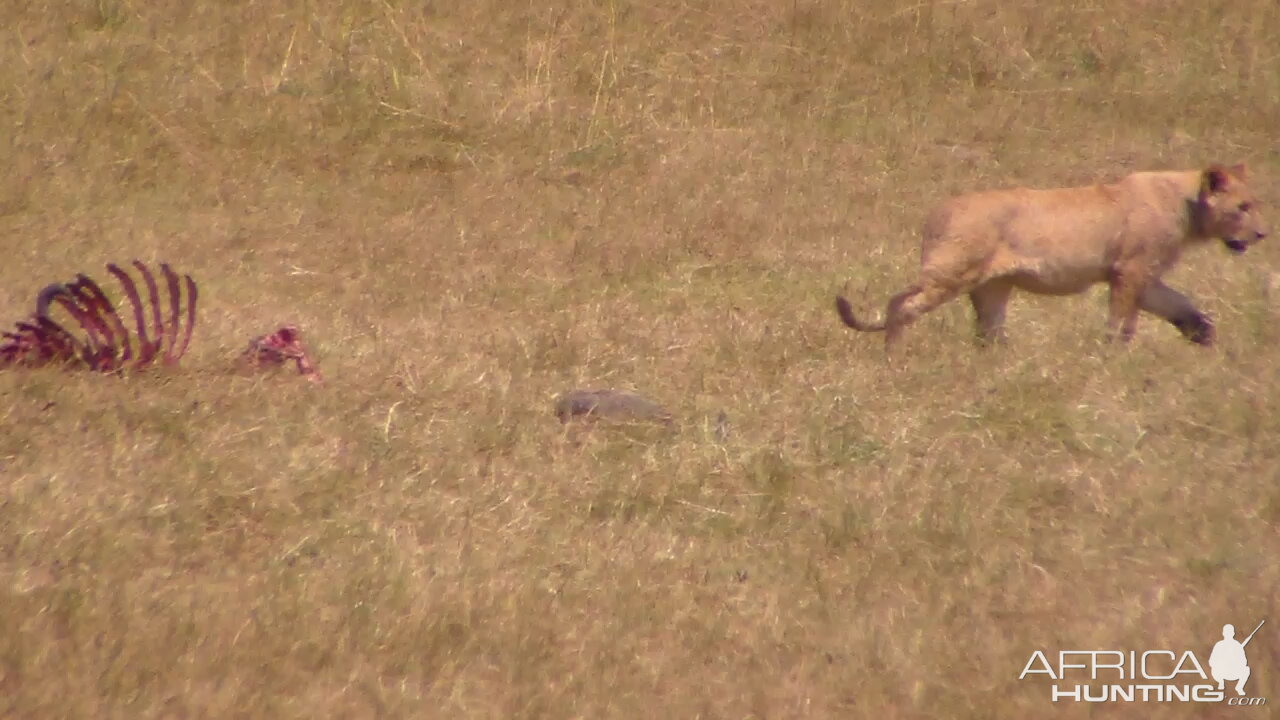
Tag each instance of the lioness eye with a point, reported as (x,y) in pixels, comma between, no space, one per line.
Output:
(1246,207)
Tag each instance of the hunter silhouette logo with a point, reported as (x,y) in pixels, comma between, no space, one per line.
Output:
(1228,662)
(1149,675)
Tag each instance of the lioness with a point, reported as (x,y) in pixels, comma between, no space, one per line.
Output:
(1062,241)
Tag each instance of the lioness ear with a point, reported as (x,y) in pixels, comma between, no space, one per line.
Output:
(1240,171)
(1213,180)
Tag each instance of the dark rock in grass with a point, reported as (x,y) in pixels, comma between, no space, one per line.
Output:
(617,405)
(721,430)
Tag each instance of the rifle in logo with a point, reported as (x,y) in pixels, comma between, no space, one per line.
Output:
(1255,632)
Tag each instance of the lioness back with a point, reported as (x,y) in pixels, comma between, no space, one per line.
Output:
(1029,220)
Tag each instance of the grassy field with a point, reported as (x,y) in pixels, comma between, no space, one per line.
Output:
(469,210)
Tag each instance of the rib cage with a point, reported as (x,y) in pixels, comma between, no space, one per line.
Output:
(106,344)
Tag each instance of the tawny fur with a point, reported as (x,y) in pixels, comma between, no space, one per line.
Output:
(1063,241)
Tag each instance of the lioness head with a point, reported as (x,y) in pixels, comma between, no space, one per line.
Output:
(1227,209)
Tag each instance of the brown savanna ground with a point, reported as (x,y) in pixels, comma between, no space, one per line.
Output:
(469,207)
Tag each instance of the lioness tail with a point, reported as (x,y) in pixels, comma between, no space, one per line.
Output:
(846,314)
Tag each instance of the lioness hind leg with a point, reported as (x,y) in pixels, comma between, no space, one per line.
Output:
(989,304)
(895,319)
(910,304)
(1163,301)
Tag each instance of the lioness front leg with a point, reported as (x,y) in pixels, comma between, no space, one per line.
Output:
(1123,320)
(1162,300)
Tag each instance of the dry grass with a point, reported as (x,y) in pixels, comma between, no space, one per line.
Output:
(469,210)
